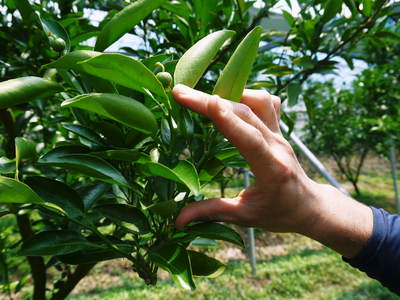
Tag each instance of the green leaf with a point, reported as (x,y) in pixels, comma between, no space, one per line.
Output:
(227,153)
(70,61)
(205,266)
(121,213)
(215,231)
(24,149)
(367,7)
(94,255)
(55,242)
(184,172)
(288,121)
(174,259)
(85,132)
(124,21)
(7,166)
(67,157)
(24,89)
(54,28)
(204,242)
(58,193)
(165,209)
(122,155)
(91,193)
(26,10)
(119,108)
(332,7)
(195,61)
(231,82)
(125,71)
(211,169)
(293,92)
(288,17)
(13,191)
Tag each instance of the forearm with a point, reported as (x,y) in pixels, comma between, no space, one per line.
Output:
(338,222)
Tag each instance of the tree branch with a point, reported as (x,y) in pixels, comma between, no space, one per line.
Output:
(7,118)
(80,272)
(38,268)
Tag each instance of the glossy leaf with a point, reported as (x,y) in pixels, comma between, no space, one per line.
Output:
(13,191)
(231,82)
(91,193)
(70,61)
(215,231)
(125,71)
(24,89)
(24,149)
(54,28)
(195,61)
(175,260)
(68,158)
(165,209)
(7,166)
(293,92)
(56,192)
(26,10)
(124,21)
(184,172)
(122,109)
(210,170)
(367,7)
(56,242)
(332,7)
(204,242)
(205,266)
(85,132)
(123,155)
(125,213)
(94,255)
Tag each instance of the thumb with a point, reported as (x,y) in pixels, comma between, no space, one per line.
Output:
(216,209)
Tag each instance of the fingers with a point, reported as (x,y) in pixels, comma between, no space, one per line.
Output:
(216,108)
(217,209)
(265,106)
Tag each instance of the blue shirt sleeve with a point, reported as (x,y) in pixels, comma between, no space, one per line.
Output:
(380,258)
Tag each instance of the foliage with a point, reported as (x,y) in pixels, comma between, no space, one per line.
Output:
(115,158)
(347,124)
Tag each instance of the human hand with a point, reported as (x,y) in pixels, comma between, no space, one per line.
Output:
(283,198)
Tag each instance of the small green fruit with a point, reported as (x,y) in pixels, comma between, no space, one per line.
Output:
(165,78)
(57,44)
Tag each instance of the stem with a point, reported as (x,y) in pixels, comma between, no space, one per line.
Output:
(7,118)
(80,272)
(36,263)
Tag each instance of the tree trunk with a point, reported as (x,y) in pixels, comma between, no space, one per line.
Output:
(80,272)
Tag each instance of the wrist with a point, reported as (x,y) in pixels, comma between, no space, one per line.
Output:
(337,221)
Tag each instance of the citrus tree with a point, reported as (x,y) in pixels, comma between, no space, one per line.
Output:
(98,159)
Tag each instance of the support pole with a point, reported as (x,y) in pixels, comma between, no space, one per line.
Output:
(250,232)
(313,159)
(393,168)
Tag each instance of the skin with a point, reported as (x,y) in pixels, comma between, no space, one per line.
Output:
(283,198)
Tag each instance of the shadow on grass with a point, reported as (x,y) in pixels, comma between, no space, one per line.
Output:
(376,200)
